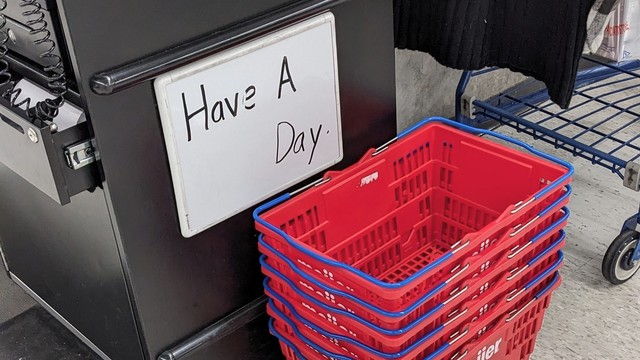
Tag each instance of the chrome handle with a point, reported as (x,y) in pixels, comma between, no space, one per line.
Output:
(458,293)
(513,295)
(458,336)
(518,272)
(515,313)
(458,273)
(522,204)
(456,248)
(458,356)
(383,147)
(313,184)
(517,250)
(458,316)
(518,231)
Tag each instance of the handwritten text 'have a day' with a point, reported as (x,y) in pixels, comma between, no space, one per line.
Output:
(289,141)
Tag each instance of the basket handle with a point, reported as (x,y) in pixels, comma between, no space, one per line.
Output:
(454,338)
(516,293)
(515,272)
(460,356)
(543,292)
(297,332)
(518,249)
(512,315)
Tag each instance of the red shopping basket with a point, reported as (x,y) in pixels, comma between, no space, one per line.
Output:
(511,337)
(287,326)
(541,261)
(496,257)
(388,228)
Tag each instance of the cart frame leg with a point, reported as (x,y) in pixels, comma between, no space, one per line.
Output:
(633,223)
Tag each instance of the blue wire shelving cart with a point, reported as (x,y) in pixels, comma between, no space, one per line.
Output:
(602,125)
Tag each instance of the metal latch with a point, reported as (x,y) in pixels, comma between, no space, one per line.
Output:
(80,155)
(468,107)
(632,176)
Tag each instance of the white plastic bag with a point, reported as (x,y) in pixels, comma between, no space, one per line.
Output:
(597,21)
(621,38)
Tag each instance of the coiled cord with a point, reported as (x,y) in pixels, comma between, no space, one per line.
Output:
(47,109)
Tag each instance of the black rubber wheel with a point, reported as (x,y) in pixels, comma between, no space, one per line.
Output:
(617,266)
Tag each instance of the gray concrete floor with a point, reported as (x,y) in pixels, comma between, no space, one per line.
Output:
(13,301)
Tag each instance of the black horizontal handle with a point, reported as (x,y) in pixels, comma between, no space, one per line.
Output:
(218,330)
(138,71)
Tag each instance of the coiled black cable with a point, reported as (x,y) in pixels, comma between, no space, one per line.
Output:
(47,109)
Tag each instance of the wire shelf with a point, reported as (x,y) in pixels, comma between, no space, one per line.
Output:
(602,124)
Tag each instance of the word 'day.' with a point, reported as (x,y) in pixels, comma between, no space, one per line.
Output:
(249,122)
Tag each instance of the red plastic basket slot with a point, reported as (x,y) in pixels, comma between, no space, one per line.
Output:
(513,340)
(493,256)
(394,213)
(306,351)
(435,172)
(493,284)
(394,257)
(472,322)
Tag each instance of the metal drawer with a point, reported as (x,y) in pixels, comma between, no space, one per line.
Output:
(47,158)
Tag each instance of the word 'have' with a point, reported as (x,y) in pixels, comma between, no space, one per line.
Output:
(221,109)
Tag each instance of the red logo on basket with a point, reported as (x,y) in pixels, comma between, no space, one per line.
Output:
(488,352)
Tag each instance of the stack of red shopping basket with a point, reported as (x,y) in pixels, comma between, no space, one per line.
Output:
(440,245)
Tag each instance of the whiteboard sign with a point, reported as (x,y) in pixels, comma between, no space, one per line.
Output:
(247,123)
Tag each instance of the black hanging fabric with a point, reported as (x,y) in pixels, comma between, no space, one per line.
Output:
(539,38)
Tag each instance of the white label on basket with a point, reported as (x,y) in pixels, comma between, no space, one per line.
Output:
(490,351)
(485,244)
(369,179)
(484,288)
(327,274)
(484,309)
(327,295)
(251,121)
(309,307)
(330,318)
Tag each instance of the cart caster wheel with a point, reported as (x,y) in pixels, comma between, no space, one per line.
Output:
(617,266)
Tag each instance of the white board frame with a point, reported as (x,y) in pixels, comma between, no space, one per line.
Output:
(187,228)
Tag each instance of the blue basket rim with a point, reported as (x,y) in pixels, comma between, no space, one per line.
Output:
(416,322)
(367,348)
(409,280)
(416,303)
(447,345)
(555,184)
(280,337)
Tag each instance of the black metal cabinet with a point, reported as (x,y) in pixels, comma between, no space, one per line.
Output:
(112,263)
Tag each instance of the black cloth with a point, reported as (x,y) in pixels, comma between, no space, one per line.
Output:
(539,38)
